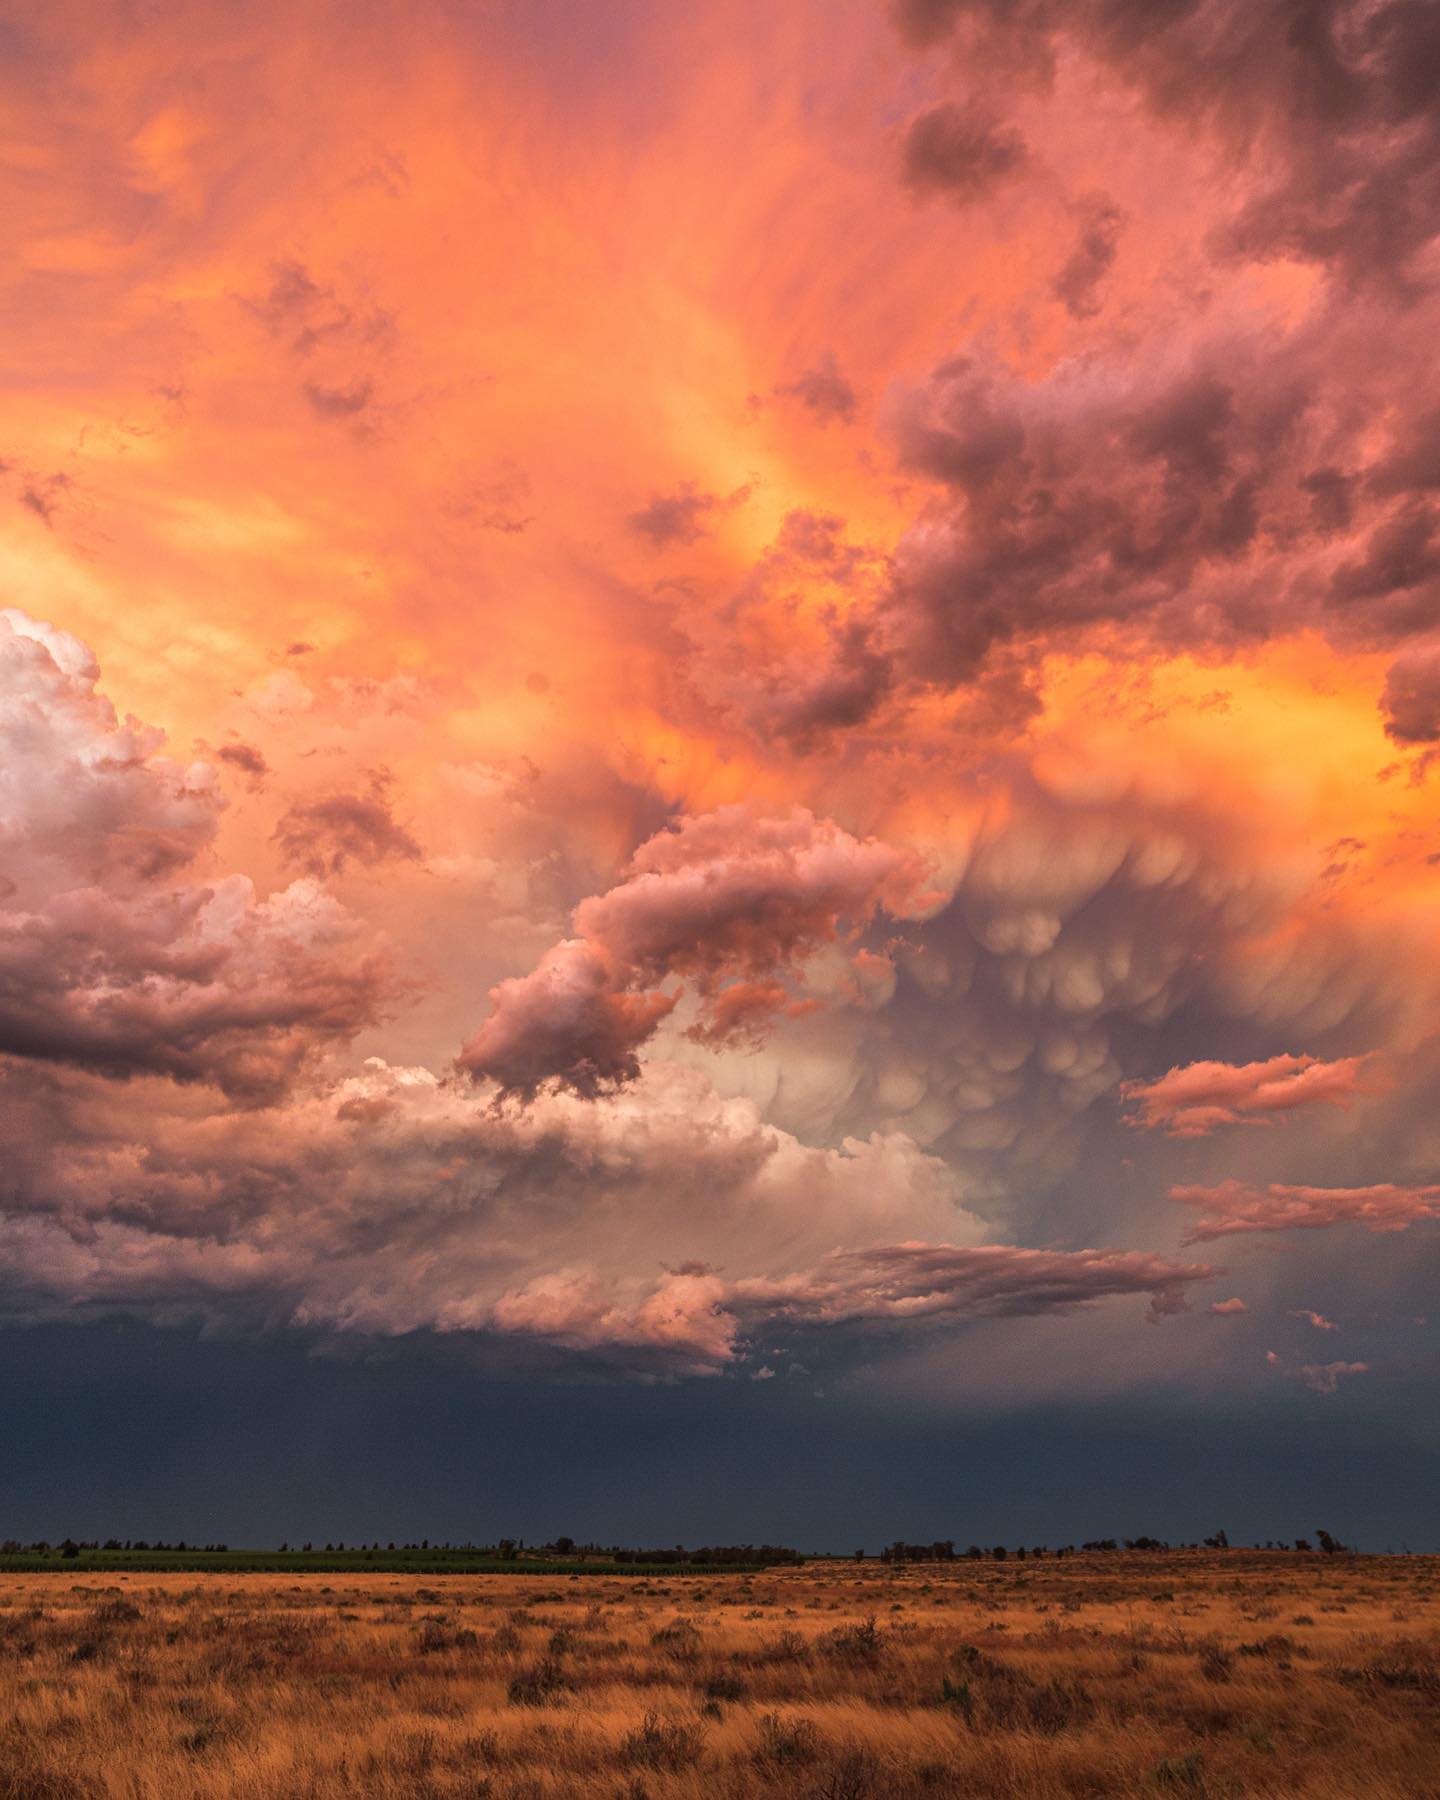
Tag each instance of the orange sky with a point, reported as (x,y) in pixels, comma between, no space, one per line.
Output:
(497,421)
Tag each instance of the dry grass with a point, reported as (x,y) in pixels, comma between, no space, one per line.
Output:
(1170,1674)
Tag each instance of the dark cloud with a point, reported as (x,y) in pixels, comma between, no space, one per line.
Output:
(1411,700)
(919,1282)
(822,390)
(679,518)
(326,833)
(249,759)
(1185,506)
(1333,107)
(962,152)
(1078,281)
(339,402)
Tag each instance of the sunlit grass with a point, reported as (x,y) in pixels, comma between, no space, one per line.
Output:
(1172,1673)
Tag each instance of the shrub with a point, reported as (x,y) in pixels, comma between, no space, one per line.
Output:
(861,1643)
(786,1743)
(725,1687)
(672,1745)
(541,1683)
(1181,1774)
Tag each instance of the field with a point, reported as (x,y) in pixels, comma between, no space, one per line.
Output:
(1184,1673)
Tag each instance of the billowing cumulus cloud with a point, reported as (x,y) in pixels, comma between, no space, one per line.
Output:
(726,903)
(1233,1207)
(1411,700)
(112,957)
(1195,1100)
(394,1201)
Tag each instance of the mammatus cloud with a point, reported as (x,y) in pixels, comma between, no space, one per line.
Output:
(1232,1207)
(1193,1101)
(728,904)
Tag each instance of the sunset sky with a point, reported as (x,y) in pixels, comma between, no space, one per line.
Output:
(721,753)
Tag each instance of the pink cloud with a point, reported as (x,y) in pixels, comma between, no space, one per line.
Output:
(1411,700)
(912,1281)
(1324,1378)
(1235,1206)
(1222,1309)
(111,959)
(1194,1100)
(728,903)
(1318,1320)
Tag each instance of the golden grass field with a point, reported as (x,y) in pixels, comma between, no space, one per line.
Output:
(1185,1673)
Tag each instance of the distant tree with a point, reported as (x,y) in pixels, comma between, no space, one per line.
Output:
(1330,1545)
(999,1553)
(69,1548)
(564,1545)
(1302,1543)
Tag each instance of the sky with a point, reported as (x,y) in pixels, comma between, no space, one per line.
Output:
(719,764)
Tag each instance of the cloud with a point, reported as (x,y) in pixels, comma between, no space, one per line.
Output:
(913,1282)
(725,898)
(1411,700)
(1236,1206)
(110,960)
(1090,261)
(1316,1319)
(960,151)
(1225,1309)
(1334,110)
(682,517)
(326,833)
(249,759)
(1324,1378)
(823,391)
(1199,1098)
(662,1230)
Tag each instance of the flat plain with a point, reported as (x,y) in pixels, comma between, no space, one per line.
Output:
(1168,1673)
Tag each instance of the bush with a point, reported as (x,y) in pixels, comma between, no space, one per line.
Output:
(725,1687)
(861,1643)
(654,1745)
(539,1685)
(786,1743)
